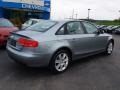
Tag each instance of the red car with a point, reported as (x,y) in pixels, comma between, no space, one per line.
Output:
(5,28)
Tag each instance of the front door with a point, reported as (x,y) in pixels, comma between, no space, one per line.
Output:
(96,42)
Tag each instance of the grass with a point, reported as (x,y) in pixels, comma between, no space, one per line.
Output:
(108,23)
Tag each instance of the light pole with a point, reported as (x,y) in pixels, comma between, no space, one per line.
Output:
(76,15)
(119,17)
(89,13)
(73,14)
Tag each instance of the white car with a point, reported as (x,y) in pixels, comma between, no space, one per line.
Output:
(30,22)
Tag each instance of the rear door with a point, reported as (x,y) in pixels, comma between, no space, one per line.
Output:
(74,34)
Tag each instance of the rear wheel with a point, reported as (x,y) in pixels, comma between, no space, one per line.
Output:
(109,48)
(60,61)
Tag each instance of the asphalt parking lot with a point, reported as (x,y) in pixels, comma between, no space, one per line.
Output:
(98,72)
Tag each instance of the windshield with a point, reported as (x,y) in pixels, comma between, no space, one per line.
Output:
(5,23)
(42,26)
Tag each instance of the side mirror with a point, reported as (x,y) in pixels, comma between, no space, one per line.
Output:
(99,31)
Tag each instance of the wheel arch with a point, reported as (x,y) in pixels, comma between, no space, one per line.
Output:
(111,40)
(63,48)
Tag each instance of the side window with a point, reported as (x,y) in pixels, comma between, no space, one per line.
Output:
(34,22)
(91,29)
(74,28)
(61,31)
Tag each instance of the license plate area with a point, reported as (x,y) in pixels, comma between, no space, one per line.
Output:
(13,42)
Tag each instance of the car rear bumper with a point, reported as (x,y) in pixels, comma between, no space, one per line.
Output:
(117,32)
(29,59)
(109,31)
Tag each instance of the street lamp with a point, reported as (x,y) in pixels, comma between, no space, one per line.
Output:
(76,15)
(89,13)
(119,17)
(73,14)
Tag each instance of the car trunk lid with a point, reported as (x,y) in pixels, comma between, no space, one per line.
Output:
(24,35)
(29,33)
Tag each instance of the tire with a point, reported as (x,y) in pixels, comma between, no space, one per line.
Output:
(60,61)
(109,48)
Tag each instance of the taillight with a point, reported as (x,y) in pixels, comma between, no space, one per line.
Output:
(27,42)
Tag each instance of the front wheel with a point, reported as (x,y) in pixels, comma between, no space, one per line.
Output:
(109,48)
(60,61)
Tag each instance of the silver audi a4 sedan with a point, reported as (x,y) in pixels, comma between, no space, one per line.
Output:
(57,43)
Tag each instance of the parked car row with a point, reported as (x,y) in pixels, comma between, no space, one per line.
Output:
(110,28)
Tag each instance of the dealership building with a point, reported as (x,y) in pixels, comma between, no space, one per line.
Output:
(21,10)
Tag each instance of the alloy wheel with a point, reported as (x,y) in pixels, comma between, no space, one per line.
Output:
(110,48)
(61,62)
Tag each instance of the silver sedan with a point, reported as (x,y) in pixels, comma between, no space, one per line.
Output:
(57,43)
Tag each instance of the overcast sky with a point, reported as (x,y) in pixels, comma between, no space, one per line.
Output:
(100,9)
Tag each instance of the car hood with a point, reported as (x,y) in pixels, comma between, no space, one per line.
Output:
(7,30)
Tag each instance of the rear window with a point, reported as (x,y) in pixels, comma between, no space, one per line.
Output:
(5,23)
(28,22)
(42,26)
